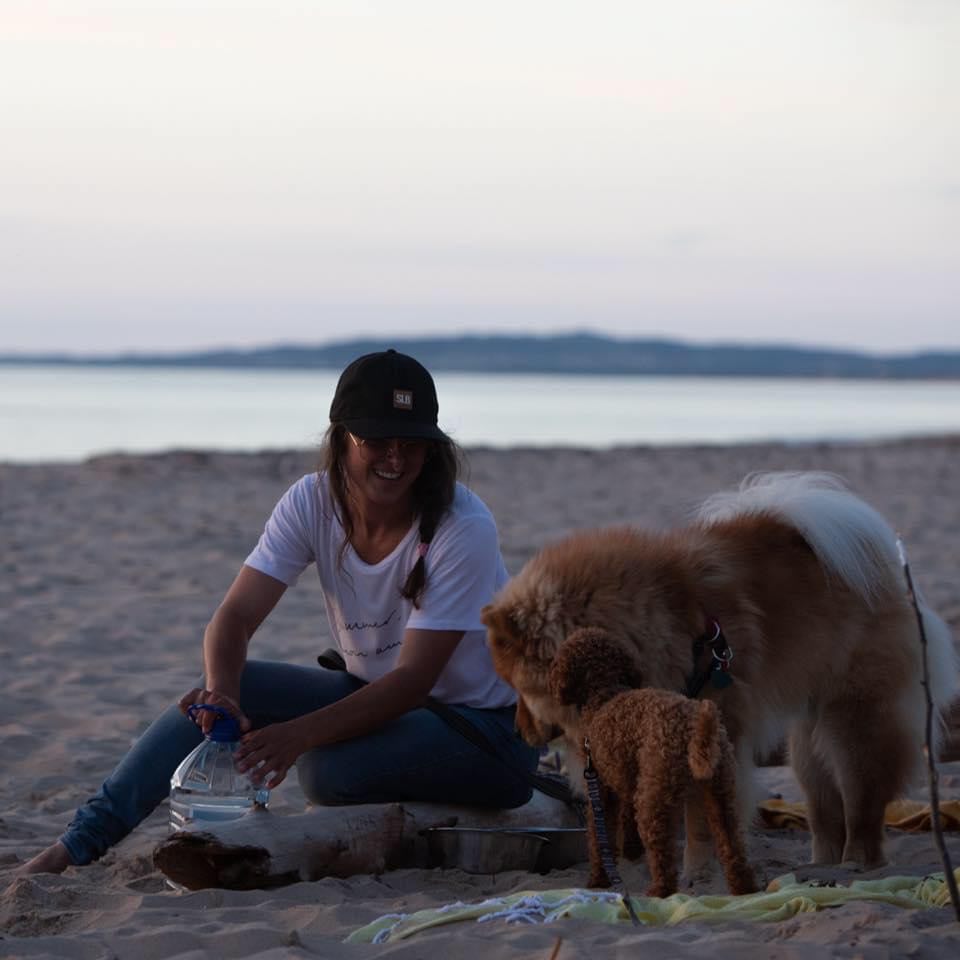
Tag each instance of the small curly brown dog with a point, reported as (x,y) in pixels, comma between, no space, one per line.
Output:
(652,750)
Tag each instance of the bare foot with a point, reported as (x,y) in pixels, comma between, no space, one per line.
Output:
(54,859)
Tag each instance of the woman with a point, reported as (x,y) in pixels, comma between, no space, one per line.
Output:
(406,557)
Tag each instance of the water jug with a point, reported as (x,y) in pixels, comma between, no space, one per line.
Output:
(207,787)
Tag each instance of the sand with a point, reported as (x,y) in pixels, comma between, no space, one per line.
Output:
(111,569)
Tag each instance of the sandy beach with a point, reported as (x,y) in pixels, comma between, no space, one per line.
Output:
(111,569)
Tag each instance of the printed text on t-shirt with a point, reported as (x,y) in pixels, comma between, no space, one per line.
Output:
(378,651)
(362,625)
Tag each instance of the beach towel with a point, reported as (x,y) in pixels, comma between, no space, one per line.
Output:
(783,898)
(901,814)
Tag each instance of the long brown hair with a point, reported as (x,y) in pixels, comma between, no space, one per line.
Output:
(433,494)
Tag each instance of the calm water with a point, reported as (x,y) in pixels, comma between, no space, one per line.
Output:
(62,413)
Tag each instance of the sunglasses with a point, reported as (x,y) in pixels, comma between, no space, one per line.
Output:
(372,450)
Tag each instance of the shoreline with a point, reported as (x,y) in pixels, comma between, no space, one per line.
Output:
(937,437)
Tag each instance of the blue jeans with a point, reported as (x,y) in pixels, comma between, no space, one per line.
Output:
(418,756)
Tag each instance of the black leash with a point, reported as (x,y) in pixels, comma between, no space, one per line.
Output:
(607,857)
(548,785)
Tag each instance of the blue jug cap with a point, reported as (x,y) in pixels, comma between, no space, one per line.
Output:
(225,727)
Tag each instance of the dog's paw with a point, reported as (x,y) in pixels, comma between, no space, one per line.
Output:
(660,889)
(598,881)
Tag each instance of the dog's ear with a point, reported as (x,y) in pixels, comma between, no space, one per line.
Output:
(568,681)
(501,627)
(495,618)
(523,720)
(490,616)
(532,731)
(588,662)
(619,668)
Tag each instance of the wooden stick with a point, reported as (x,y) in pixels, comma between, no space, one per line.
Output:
(933,777)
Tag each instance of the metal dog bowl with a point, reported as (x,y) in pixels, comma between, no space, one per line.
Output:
(565,846)
(493,850)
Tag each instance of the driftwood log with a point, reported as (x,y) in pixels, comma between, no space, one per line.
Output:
(262,849)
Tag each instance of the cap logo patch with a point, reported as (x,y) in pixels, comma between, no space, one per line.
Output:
(403,399)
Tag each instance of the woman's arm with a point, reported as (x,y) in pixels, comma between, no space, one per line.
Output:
(422,658)
(251,596)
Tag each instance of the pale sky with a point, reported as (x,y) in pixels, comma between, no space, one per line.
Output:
(182,174)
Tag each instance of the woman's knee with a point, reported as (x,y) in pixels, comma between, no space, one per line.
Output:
(514,794)
(323,778)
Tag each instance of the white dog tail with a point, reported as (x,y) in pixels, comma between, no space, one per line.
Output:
(703,750)
(851,541)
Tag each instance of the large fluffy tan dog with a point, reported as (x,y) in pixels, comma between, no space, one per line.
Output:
(798,581)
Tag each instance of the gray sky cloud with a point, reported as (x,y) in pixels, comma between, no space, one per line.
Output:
(187,174)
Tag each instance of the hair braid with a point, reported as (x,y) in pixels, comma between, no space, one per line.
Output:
(433,493)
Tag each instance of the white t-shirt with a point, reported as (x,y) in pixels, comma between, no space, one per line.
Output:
(367,614)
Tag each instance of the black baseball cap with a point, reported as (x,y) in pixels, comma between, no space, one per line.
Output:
(387,394)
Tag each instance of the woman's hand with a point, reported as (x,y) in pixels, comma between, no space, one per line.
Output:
(205,719)
(268,753)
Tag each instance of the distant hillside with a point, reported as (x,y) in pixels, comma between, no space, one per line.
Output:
(581,353)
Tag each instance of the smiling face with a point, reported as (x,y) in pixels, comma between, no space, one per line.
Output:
(382,473)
